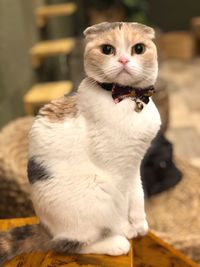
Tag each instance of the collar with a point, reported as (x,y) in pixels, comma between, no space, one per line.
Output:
(138,95)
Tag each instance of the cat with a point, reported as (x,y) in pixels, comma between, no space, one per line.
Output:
(85,150)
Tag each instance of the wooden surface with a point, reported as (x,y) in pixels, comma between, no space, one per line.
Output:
(46,49)
(148,251)
(43,93)
(44,12)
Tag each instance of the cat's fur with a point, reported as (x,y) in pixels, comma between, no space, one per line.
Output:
(85,153)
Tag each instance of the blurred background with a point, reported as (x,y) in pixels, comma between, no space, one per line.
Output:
(41,58)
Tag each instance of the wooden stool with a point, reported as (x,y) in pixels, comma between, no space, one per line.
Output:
(43,93)
(46,49)
(146,251)
(44,12)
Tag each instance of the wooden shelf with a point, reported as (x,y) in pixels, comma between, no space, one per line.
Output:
(146,251)
(44,12)
(43,93)
(46,49)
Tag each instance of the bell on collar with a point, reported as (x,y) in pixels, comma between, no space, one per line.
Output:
(138,106)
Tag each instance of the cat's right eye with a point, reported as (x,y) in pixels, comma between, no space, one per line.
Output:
(107,49)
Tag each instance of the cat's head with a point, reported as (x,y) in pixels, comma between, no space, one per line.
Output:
(121,53)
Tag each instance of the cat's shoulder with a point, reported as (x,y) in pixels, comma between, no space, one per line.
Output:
(60,109)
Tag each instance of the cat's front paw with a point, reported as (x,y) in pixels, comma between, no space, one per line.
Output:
(119,246)
(136,228)
(140,226)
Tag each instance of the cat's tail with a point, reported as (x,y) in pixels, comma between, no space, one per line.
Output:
(30,238)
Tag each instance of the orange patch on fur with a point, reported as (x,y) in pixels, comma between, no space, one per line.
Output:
(57,110)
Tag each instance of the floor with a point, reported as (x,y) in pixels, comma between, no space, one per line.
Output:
(183,80)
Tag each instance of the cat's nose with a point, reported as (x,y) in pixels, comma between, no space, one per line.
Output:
(123,60)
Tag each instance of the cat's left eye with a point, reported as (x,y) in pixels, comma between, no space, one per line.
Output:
(107,49)
(138,49)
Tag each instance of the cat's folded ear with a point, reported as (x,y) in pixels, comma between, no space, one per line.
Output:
(148,31)
(92,31)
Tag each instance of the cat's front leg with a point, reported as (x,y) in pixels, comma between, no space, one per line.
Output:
(137,224)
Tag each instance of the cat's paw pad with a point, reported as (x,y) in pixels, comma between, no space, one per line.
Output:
(119,246)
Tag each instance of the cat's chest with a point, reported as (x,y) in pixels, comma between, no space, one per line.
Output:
(123,119)
(118,136)
(103,115)
(119,130)
(145,122)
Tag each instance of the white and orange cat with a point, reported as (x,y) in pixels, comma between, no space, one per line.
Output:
(85,150)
